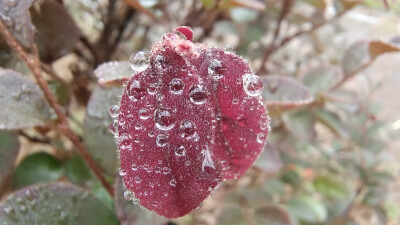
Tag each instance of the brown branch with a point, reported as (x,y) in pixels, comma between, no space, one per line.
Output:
(34,139)
(274,47)
(34,65)
(47,69)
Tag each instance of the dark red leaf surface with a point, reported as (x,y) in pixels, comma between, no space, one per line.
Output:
(191,119)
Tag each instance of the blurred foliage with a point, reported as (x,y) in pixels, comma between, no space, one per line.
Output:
(329,158)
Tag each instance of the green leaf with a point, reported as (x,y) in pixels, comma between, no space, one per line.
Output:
(9,147)
(61,92)
(321,78)
(231,215)
(355,57)
(129,213)
(330,187)
(77,171)
(307,209)
(113,72)
(97,137)
(272,215)
(54,203)
(332,122)
(284,92)
(102,194)
(22,102)
(37,168)
(300,123)
(57,32)
(269,160)
(243,15)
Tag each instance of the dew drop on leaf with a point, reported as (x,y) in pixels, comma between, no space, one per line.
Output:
(176,86)
(136,91)
(134,167)
(139,61)
(173,182)
(129,195)
(114,111)
(180,150)
(260,137)
(164,118)
(198,94)
(144,113)
(162,140)
(187,129)
(252,84)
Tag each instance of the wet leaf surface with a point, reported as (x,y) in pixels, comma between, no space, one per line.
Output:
(272,215)
(321,78)
(9,147)
(23,103)
(191,119)
(54,203)
(37,168)
(130,213)
(113,72)
(285,92)
(97,137)
(15,15)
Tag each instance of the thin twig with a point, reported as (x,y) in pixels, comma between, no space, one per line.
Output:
(47,69)
(34,64)
(285,41)
(34,139)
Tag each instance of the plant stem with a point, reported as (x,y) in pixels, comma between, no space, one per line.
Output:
(34,65)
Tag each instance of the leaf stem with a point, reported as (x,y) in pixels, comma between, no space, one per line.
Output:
(34,65)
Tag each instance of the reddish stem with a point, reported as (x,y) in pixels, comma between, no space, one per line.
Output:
(34,65)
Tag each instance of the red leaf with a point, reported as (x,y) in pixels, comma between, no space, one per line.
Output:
(186,123)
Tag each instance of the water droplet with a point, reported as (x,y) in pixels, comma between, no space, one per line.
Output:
(136,91)
(157,169)
(137,179)
(215,69)
(198,94)
(162,140)
(166,170)
(180,150)
(129,195)
(114,127)
(173,183)
(135,201)
(187,129)
(152,89)
(176,86)
(114,111)
(180,35)
(252,84)
(122,172)
(164,119)
(139,61)
(260,137)
(134,167)
(207,161)
(228,48)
